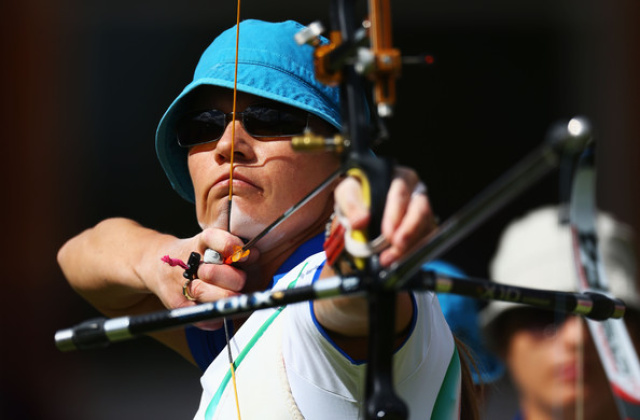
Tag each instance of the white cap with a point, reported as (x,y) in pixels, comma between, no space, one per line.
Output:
(535,251)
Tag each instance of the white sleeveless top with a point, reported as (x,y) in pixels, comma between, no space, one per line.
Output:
(288,368)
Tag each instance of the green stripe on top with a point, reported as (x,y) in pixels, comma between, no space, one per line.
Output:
(446,406)
(213,404)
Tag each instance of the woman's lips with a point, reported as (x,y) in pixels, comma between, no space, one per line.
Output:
(567,372)
(240,182)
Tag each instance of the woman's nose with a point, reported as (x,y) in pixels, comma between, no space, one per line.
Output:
(235,141)
(573,330)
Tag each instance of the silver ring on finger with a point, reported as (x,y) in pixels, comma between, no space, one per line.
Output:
(419,189)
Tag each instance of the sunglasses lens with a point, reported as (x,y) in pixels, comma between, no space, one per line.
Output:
(260,121)
(200,127)
(274,121)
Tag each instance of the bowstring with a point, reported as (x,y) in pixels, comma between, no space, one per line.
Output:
(580,402)
(233,120)
(230,198)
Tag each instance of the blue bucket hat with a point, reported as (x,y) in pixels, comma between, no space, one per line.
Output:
(461,313)
(270,65)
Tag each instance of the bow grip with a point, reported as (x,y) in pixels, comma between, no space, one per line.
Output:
(374,175)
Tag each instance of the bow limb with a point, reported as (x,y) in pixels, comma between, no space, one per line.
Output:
(616,351)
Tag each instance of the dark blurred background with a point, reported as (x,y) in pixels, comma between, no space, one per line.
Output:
(85,83)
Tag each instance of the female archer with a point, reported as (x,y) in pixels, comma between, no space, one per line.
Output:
(230,154)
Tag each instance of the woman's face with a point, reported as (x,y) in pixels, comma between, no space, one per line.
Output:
(268,178)
(550,362)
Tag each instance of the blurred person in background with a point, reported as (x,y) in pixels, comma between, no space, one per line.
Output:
(550,356)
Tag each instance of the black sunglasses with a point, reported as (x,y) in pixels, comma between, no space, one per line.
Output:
(262,121)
